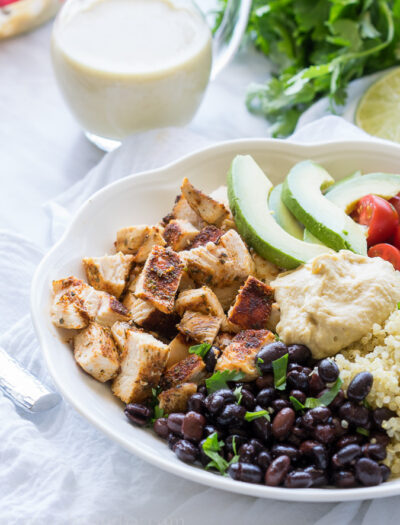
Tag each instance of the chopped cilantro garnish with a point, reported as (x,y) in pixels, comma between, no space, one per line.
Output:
(297,405)
(219,380)
(238,394)
(250,416)
(277,338)
(362,431)
(279,367)
(326,398)
(200,350)
(234,445)
(158,412)
(260,360)
(212,448)
(398,306)
(365,403)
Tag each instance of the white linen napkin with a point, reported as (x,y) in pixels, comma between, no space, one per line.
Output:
(56,467)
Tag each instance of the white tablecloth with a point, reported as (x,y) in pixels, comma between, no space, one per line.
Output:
(55,467)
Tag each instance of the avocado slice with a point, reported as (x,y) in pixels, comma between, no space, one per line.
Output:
(344,180)
(347,195)
(309,237)
(302,194)
(282,215)
(248,191)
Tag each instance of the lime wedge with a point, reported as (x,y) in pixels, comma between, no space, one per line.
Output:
(378,112)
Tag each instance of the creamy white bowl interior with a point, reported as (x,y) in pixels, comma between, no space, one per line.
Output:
(145,198)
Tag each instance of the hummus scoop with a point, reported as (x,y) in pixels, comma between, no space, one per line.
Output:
(334,300)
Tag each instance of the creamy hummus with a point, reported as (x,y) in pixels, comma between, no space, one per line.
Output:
(334,300)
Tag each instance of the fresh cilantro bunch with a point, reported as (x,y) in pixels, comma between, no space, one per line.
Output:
(318,47)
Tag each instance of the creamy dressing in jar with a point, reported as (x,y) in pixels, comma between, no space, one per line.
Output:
(131,65)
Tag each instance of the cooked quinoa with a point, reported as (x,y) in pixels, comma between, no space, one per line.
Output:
(379,353)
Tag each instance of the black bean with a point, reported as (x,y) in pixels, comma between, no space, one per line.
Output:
(346,456)
(277,471)
(299,395)
(368,472)
(299,432)
(325,433)
(247,453)
(261,428)
(231,414)
(245,472)
(138,413)
(285,450)
(174,422)
(360,386)
(316,451)
(315,384)
(172,440)
(215,402)
(349,439)
(210,358)
(204,459)
(294,366)
(265,397)
(265,381)
(374,451)
(337,427)
(318,476)
(306,370)
(328,370)
(299,354)
(237,430)
(379,415)
(355,414)
(338,401)
(298,380)
(248,400)
(385,471)
(319,414)
(257,444)
(344,479)
(264,459)
(380,438)
(307,421)
(269,353)
(210,429)
(186,451)
(278,404)
(193,426)
(234,438)
(298,479)
(202,389)
(197,403)
(161,427)
(283,423)
(293,440)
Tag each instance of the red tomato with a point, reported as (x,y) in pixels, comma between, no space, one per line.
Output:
(395,202)
(3,3)
(380,217)
(395,239)
(387,252)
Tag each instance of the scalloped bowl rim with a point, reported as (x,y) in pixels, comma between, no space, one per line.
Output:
(40,291)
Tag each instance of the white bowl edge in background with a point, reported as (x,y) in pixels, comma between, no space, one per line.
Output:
(145,198)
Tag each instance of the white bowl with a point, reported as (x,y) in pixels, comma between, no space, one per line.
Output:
(145,198)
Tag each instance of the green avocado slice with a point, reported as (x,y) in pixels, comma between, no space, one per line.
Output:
(248,191)
(302,194)
(347,195)
(309,237)
(282,215)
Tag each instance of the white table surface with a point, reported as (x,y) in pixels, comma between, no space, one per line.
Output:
(42,149)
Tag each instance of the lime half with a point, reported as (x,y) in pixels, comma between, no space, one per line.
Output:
(378,112)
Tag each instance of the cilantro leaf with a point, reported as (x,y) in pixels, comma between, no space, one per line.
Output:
(200,350)
(212,448)
(326,398)
(297,405)
(238,394)
(279,366)
(250,416)
(362,431)
(219,380)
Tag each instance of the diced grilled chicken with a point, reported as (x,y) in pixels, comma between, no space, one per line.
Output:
(118,332)
(110,310)
(223,340)
(252,306)
(178,349)
(139,240)
(221,195)
(179,234)
(160,278)
(95,352)
(227,294)
(176,399)
(242,263)
(274,318)
(190,370)
(186,283)
(75,303)
(144,314)
(199,327)
(210,210)
(184,212)
(201,300)
(109,273)
(264,270)
(240,354)
(208,234)
(142,365)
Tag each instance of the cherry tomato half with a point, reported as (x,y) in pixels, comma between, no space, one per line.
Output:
(387,252)
(3,3)
(395,202)
(380,217)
